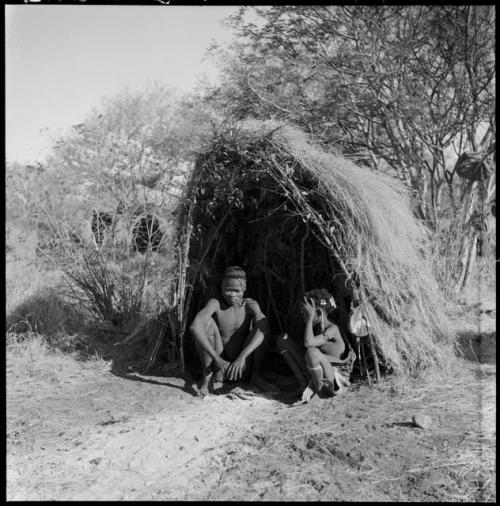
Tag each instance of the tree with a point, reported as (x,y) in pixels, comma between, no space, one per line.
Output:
(22,198)
(404,89)
(135,140)
(400,87)
(121,171)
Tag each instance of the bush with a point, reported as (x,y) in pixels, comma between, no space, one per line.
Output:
(45,313)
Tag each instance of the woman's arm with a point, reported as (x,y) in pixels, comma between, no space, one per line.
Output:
(332,333)
(311,340)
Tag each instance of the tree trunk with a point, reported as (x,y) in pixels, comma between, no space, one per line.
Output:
(467,261)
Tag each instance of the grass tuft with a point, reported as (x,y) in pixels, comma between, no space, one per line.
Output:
(45,312)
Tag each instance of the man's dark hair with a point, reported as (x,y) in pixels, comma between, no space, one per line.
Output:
(235,272)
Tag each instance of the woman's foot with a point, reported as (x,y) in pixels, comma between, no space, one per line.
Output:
(329,388)
(335,386)
(308,392)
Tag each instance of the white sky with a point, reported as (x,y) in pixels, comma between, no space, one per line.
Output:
(61,60)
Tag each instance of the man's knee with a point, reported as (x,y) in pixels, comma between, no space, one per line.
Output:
(264,340)
(209,336)
(282,342)
(266,332)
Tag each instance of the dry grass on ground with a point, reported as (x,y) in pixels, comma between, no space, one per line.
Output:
(66,416)
(77,431)
(364,446)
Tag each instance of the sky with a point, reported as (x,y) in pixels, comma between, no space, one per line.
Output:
(61,60)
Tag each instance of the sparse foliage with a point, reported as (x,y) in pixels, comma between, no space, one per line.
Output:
(402,88)
(398,84)
(115,179)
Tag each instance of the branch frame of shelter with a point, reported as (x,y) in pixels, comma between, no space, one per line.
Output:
(272,184)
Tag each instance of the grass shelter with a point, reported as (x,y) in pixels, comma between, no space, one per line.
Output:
(261,195)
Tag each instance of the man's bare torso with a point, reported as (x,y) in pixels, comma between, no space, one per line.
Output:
(233,321)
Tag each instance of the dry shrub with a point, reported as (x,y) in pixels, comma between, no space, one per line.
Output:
(47,313)
(23,272)
(118,273)
(31,353)
(261,191)
(22,281)
(37,303)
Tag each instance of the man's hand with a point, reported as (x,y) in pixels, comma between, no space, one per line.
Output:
(222,364)
(235,370)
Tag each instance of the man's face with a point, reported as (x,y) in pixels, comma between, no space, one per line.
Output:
(232,290)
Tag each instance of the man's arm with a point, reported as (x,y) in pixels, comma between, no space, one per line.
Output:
(260,327)
(255,338)
(199,327)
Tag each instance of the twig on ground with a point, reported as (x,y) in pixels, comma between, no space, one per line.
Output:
(19,427)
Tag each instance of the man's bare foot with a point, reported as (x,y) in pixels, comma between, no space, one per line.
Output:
(203,391)
(217,385)
(262,384)
(218,380)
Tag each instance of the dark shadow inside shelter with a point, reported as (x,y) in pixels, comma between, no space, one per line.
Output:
(261,230)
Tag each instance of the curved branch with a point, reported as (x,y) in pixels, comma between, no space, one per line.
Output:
(268,101)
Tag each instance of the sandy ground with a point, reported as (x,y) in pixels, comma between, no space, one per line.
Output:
(101,436)
(130,440)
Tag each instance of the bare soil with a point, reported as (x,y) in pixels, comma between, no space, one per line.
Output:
(94,434)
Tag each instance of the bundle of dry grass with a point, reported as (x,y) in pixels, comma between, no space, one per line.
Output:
(46,313)
(295,217)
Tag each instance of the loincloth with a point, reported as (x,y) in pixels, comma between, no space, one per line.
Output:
(344,366)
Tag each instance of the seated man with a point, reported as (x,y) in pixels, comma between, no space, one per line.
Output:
(231,334)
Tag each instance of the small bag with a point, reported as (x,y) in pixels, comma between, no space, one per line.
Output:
(358,324)
(471,165)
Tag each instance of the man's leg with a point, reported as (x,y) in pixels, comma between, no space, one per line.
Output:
(213,337)
(256,362)
(293,354)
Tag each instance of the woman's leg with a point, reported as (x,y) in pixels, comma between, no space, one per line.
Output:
(315,367)
(333,349)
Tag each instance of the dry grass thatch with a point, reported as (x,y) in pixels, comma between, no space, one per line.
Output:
(295,217)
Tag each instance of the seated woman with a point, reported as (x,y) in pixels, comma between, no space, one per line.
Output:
(323,346)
